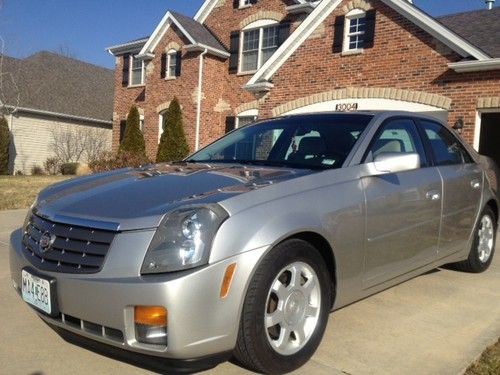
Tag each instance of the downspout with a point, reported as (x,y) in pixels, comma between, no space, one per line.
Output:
(11,162)
(198,109)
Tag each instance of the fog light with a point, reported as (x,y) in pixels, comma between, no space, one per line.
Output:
(151,324)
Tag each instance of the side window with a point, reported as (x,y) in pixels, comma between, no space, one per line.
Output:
(397,136)
(446,148)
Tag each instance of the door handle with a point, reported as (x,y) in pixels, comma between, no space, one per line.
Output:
(475,184)
(433,195)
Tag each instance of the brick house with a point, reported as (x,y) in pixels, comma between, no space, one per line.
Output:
(239,60)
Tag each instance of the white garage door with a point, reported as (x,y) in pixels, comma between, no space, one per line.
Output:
(372,105)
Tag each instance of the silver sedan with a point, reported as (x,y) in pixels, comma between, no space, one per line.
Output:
(244,248)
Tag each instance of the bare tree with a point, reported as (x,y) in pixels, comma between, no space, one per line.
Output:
(76,144)
(64,50)
(10,95)
(95,143)
(67,145)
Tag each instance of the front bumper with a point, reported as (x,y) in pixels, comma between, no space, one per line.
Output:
(101,306)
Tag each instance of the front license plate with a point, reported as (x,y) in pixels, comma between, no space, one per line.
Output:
(37,292)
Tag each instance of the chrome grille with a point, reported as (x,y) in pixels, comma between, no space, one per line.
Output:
(73,249)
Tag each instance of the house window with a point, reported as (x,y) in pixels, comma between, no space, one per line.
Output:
(245,3)
(136,71)
(258,45)
(244,120)
(172,64)
(355,30)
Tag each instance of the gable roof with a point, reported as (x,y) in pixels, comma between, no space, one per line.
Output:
(326,7)
(196,33)
(48,82)
(480,27)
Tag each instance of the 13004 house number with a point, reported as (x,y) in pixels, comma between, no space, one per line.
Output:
(346,107)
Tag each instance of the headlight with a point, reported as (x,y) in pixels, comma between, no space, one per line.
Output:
(183,239)
(28,216)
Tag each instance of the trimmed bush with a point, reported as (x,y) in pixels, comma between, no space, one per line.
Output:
(133,140)
(173,145)
(69,169)
(4,146)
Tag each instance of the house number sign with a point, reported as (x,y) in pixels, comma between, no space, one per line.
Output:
(347,107)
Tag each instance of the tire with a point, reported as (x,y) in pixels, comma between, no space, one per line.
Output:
(286,309)
(483,244)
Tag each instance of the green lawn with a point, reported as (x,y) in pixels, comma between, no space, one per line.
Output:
(20,191)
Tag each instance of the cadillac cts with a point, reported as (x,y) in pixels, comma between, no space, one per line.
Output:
(245,247)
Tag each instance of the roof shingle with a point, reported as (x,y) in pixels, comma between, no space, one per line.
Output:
(198,31)
(480,27)
(50,82)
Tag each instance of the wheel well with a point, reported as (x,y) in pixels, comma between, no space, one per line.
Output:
(494,206)
(324,248)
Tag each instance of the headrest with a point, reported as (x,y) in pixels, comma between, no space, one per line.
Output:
(311,146)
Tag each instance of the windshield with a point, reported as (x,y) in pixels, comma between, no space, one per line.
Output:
(312,142)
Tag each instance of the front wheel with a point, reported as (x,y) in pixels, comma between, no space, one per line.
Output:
(483,244)
(285,310)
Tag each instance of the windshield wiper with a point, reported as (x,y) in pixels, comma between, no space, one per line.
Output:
(265,163)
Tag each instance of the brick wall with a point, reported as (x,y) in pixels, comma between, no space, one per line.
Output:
(404,57)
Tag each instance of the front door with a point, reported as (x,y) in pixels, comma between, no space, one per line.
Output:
(403,210)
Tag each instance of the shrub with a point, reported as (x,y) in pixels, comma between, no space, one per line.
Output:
(52,166)
(83,169)
(173,145)
(110,162)
(133,140)
(69,169)
(4,146)
(36,170)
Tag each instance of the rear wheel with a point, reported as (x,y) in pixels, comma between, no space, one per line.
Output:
(285,310)
(483,245)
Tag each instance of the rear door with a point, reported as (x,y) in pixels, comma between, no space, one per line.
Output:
(403,209)
(462,186)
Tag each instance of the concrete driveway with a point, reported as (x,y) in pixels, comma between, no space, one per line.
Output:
(437,323)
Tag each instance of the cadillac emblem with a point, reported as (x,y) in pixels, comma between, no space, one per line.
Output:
(46,242)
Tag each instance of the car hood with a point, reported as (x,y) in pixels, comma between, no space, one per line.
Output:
(134,199)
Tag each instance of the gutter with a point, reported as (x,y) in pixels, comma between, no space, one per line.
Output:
(203,47)
(61,115)
(127,47)
(475,66)
(198,104)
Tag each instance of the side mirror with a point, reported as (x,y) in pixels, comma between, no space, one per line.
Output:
(390,162)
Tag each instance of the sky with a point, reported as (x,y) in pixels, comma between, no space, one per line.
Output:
(84,28)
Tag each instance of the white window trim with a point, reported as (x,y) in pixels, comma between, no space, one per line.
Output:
(352,15)
(143,73)
(169,77)
(257,25)
(141,123)
(160,125)
(250,113)
(244,4)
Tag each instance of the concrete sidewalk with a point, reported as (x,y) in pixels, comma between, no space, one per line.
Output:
(437,323)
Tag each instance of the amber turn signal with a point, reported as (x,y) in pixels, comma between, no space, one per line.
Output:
(228,279)
(151,315)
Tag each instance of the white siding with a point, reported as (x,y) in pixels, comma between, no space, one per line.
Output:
(33,136)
